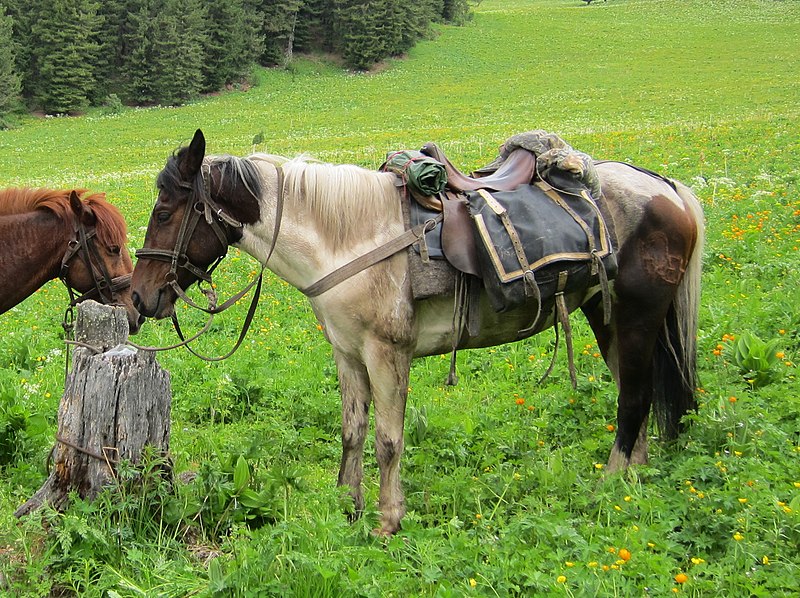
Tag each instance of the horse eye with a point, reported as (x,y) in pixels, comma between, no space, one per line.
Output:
(162,217)
(115,250)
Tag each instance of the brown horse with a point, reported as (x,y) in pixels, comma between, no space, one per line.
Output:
(332,214)
(66,234)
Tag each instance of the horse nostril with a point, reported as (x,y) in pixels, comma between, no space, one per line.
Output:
(136,300)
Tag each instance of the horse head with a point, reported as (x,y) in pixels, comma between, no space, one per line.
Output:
(198,213)
(97,263)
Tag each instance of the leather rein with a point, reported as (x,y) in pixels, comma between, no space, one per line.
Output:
(221,223)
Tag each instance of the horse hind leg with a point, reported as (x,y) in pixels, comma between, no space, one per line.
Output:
(651,268)
(608,346)
(355,393)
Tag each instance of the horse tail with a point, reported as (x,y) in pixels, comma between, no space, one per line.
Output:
(675,357)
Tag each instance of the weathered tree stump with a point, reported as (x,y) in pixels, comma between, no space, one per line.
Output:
(116,401)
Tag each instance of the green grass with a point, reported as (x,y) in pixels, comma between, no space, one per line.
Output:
(503,479)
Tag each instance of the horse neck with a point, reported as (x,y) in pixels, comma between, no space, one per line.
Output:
(305,249)
(296,255)
(33,246)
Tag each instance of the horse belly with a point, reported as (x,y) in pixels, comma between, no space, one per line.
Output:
(434,320)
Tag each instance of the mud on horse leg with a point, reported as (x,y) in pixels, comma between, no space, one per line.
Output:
(354,389)
(388,374)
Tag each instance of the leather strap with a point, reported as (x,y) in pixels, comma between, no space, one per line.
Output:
(371,258)
(177,258)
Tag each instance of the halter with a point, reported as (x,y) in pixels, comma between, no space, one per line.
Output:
(83,246)
(217,219)
(221,223)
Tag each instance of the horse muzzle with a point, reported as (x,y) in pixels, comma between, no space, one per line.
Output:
(158,306)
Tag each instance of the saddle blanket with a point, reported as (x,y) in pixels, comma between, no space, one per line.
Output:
(537,241)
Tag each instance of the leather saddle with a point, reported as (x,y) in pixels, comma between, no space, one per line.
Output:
(458,239)
(519,168)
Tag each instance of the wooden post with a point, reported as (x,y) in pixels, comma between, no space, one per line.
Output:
(116,401)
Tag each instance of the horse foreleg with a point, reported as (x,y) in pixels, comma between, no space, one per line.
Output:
(388,375)
(355,392)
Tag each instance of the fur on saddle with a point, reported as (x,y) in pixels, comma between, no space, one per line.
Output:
(553,155)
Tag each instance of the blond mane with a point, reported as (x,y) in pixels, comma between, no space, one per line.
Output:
(342,197)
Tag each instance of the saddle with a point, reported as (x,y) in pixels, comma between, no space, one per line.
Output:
(457,232)
(519,168)
(537,181)
(526,229)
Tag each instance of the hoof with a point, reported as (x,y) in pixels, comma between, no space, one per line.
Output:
(382,533)
(617,461)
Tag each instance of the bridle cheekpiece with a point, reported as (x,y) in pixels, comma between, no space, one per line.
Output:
(221,223)
(201,205)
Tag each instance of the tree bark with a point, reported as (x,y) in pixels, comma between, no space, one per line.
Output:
(116,401)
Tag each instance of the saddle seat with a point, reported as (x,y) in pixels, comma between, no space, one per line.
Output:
(519,168)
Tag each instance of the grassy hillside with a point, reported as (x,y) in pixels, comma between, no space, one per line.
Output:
(504,479)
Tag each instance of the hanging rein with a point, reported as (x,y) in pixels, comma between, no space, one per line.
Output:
(221,223)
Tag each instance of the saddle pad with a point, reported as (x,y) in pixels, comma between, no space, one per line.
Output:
(535,241)
(420,214)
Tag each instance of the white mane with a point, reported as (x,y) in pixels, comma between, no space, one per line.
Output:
(341,198)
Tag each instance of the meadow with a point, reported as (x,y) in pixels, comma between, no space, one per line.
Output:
(504,479)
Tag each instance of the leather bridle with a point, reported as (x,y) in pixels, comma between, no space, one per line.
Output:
(105,287)
(221,223)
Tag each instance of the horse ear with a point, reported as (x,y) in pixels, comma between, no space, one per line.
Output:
(191,159)
(83,212)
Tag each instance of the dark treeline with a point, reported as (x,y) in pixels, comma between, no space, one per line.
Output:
(62,56)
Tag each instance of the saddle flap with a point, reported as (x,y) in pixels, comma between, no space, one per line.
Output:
(458,240)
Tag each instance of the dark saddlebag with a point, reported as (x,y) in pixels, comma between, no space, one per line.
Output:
(536,242)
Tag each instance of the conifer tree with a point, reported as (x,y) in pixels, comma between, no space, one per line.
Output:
(10,87)
(119,25)
(361,37)
(234,42)
(314,30)
(22,14)
(409,22)
(456,11)
(178,51)
(281,19)
(65,54)
(136,84)
(68,54)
